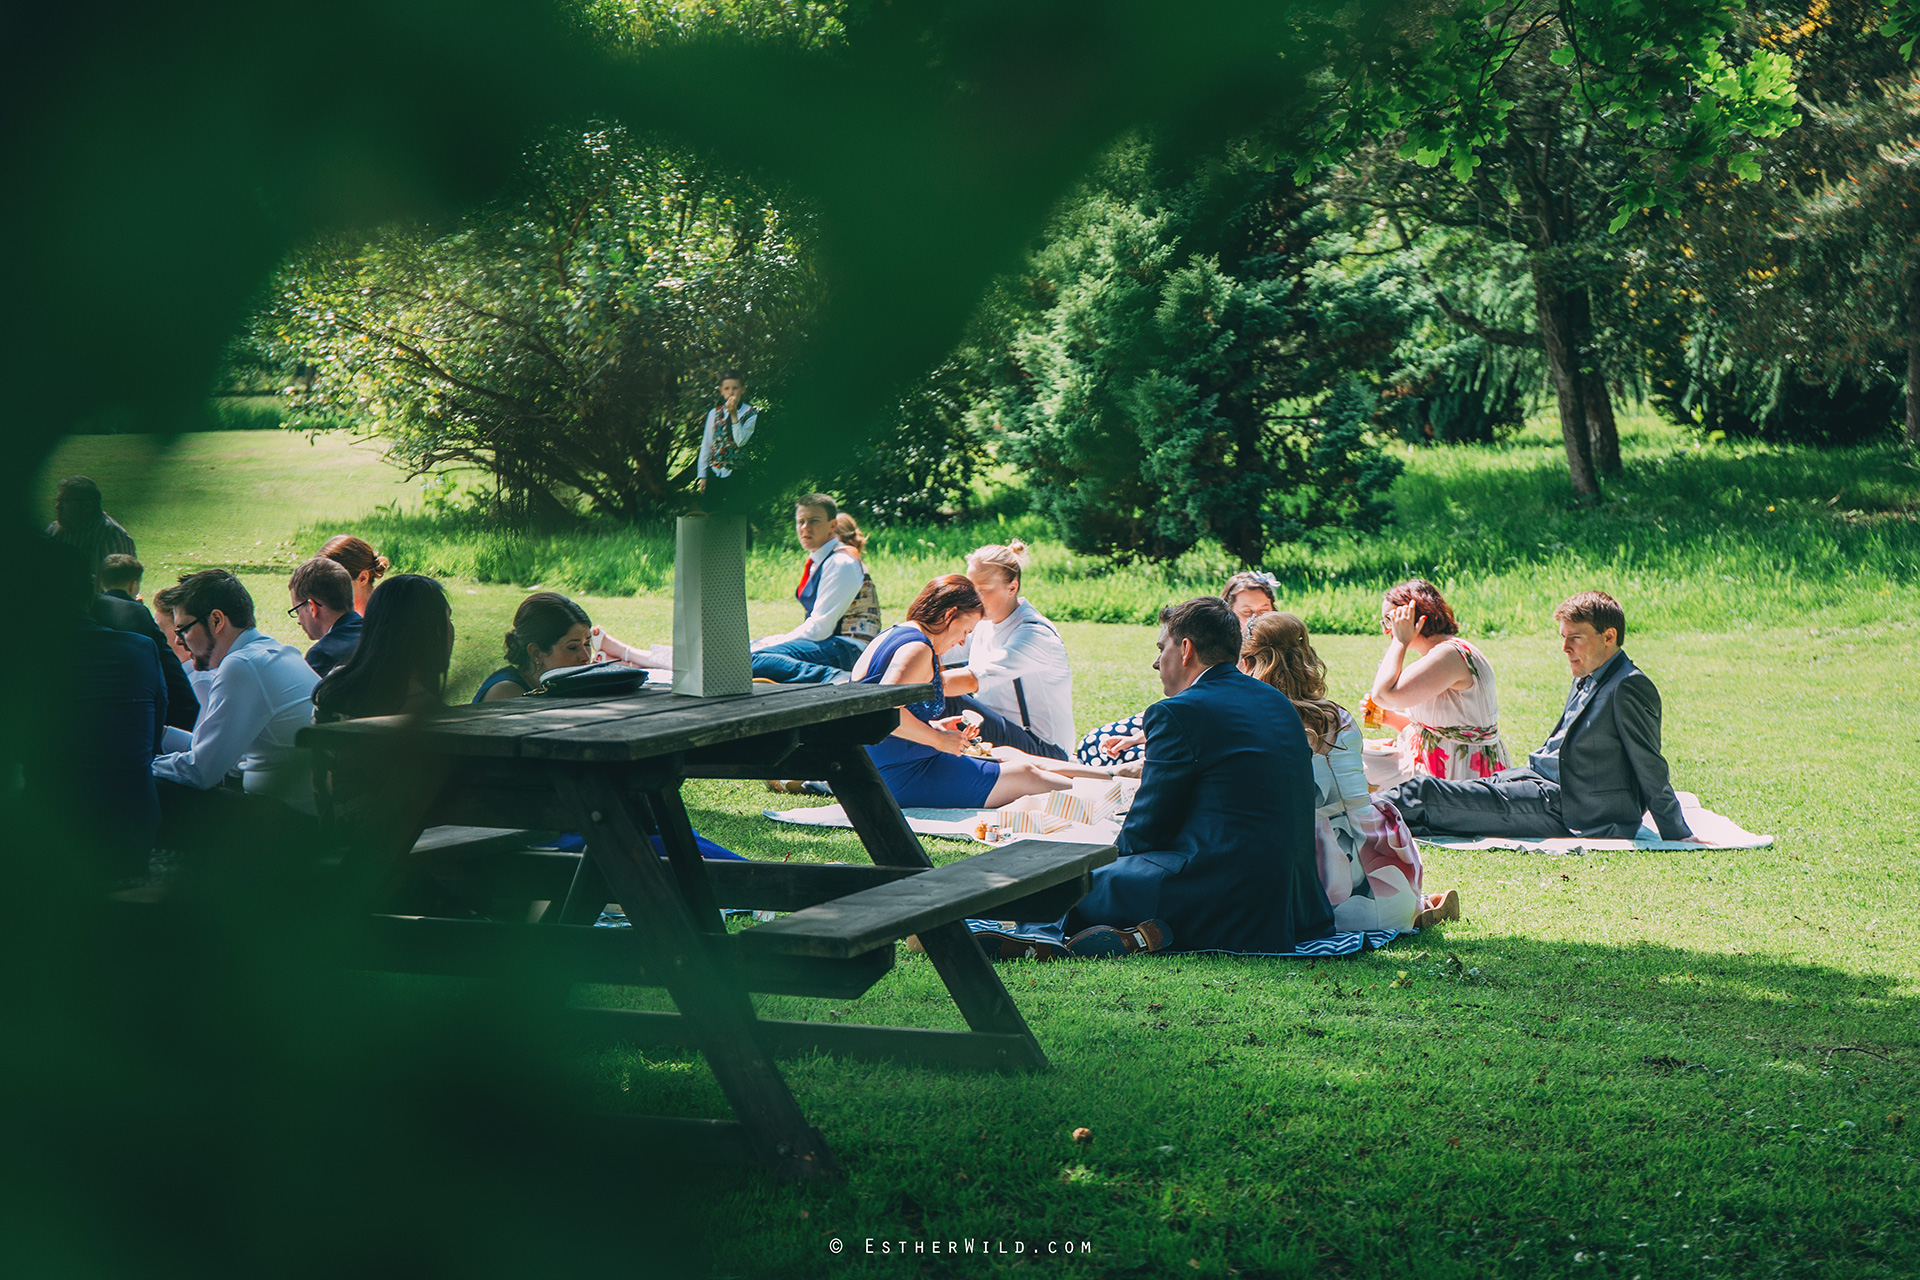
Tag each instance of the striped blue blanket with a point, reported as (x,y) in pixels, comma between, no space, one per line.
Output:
(1339,944)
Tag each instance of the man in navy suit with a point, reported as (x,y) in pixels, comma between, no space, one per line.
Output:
(1598,771)
(1218,848)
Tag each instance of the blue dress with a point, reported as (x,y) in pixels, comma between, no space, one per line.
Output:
(505,675)
(919,776)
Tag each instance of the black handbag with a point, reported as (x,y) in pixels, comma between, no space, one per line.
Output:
(594,680)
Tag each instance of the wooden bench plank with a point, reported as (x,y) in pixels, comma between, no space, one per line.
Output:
(575,953)
(703,722)
(634,726)
(972,887)
(459,842)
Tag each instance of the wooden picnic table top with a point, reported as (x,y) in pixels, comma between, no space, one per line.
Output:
(641,725)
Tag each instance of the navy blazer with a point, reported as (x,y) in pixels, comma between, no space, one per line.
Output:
(122,613)
(335,647)
(1219,842)
(1611,769)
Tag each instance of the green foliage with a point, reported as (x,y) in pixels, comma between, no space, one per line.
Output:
(567,339)
(1163,355)
(1779,308)
(1653,81)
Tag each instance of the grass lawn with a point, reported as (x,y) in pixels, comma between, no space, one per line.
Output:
(1650,1064)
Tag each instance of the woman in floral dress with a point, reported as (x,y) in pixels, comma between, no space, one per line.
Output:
(1368,861)
(1443,702)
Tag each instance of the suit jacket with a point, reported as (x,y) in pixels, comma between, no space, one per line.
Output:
(122,614)
(1611,769)
(335,647)
(1219,842)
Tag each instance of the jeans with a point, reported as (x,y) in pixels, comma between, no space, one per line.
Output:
(1002,732)
(805,661)
(1514,802)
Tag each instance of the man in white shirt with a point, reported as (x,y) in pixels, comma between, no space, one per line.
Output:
(843,610)
(238,773)
(1013,669)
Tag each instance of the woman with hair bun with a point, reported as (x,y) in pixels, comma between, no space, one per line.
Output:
(848,530)
(1015,674)
(365,565)
(1369,863)
(926,760)
(1444,703)
(549,632)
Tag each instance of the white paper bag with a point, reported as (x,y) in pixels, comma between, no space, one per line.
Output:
(710,655)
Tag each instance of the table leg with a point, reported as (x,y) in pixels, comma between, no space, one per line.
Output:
(970,977)
(704,988)
(683,855)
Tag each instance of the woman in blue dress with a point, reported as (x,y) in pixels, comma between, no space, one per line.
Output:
(925,761)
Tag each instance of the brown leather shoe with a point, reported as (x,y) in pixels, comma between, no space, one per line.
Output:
(1444,906)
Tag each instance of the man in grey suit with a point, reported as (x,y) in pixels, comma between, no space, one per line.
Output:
(1596,774)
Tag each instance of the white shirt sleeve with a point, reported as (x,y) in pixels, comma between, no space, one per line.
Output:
(234,711)
(706,444)
(743,429)
(840,579)
(1017,653)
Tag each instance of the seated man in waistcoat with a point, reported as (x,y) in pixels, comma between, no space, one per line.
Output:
(1598,771)
(842,608)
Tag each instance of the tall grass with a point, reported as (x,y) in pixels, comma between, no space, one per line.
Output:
(1696,535)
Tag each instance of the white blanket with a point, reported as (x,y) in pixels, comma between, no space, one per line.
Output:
(948,824)
(962,824)
(1717,830)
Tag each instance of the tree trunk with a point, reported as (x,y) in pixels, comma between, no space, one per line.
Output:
(1913,358)
(1559,339)
(1603,436)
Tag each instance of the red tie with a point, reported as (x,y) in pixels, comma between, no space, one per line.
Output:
(806,571)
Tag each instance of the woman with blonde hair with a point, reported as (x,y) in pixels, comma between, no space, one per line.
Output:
(1369,863)
(1013,670)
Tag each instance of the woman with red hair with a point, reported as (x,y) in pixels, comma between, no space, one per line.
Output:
(1443,703)
(927,761)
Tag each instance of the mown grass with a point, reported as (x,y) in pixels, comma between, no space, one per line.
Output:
(1695,534)
(1647,1064)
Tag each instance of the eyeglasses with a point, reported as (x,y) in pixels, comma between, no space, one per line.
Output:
(180,633)
(294,612)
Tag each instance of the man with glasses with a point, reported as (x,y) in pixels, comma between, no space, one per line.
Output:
(239,772)
(322,594)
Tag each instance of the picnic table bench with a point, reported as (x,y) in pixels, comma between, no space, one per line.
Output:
(472,783)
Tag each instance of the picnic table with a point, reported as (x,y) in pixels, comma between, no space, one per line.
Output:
(469,780)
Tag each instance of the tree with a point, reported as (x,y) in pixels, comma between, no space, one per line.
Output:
(565,340)
(1170,342)
(1787,306)
(1538,122)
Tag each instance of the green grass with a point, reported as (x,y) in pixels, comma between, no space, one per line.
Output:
(1696,1064)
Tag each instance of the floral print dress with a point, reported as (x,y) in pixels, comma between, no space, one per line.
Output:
(1368,861)
(1456,735)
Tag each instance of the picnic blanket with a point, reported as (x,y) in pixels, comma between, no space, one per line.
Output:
(1718,830)
(1088,813)
(1339,944)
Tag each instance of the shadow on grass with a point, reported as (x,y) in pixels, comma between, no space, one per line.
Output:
(1439,1108)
